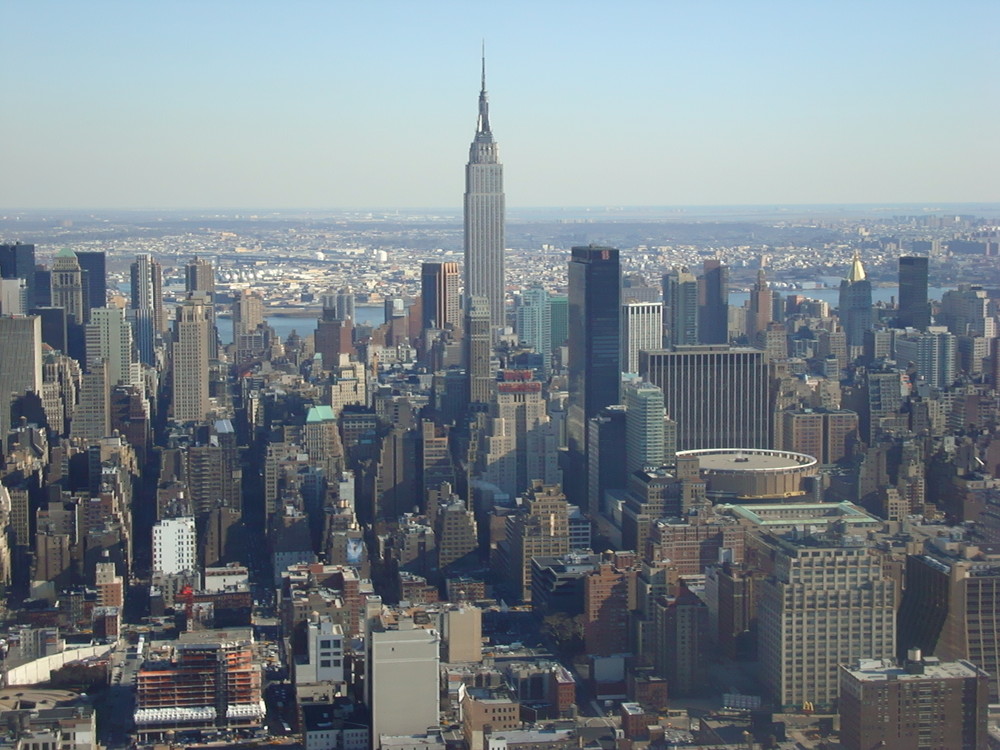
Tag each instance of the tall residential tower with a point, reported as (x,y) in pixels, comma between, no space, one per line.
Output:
(484,216)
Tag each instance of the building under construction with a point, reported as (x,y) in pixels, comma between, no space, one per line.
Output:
(205,680)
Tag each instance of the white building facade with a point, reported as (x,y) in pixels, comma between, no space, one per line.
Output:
(174,546)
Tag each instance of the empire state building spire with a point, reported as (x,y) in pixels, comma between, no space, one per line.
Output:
(483,125)
(484,216)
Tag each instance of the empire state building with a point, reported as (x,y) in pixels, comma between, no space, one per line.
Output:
(484,217)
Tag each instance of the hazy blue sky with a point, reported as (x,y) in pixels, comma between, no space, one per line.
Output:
(365,104)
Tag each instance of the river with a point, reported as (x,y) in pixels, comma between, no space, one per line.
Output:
(283,325)
(374,315)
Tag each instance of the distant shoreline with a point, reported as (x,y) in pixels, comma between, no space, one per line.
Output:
(281,312)
(295,312)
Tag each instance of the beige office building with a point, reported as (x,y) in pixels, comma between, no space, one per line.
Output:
(402,679)
(828,602)
(192,345)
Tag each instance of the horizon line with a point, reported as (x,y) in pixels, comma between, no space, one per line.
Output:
(927,205)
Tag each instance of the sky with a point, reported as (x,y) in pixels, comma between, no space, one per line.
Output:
(327,105)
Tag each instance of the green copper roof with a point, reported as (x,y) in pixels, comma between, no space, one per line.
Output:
(65,253)
(319,414)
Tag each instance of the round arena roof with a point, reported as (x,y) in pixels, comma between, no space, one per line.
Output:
(746,460)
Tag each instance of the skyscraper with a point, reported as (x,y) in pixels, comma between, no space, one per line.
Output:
(248,312)
(345,304)
(53,326)
(109,337)
(823,433)
(541,529)
(13,297)
(855,306)
(147,288)
(95,274)
(606,439)
(21,363)
(645,422)
(147,305)
(67,286)
(394,307)
(642,330)
(717,396)
(594,328)
(914,311)
(930,354)
(829,602)
(680,299)
(199,279)
(878,400)
(518,442)
(559,312)
(334,340)
(484,216)
(761,310)
(439,295)
(174,543)
(951,608)
(534,323)
(190,360)
(212,470)
(713,303)
(17,261)
(437,467)
(966,312)
(92,416)
(199,276)
(43,286)
(478,350)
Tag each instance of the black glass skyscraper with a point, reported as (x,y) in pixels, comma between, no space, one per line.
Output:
(95,279)
(914,312)
(713,303)
(43,286)
(17,261)
(680,306)
(594,328)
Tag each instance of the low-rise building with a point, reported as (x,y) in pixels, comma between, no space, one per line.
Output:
(485,711)
(45,719)
(341,725)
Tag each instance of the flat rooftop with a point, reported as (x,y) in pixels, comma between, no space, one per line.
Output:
(817,514)
(748,459)
(533,736)
(876,670)
(14,697)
